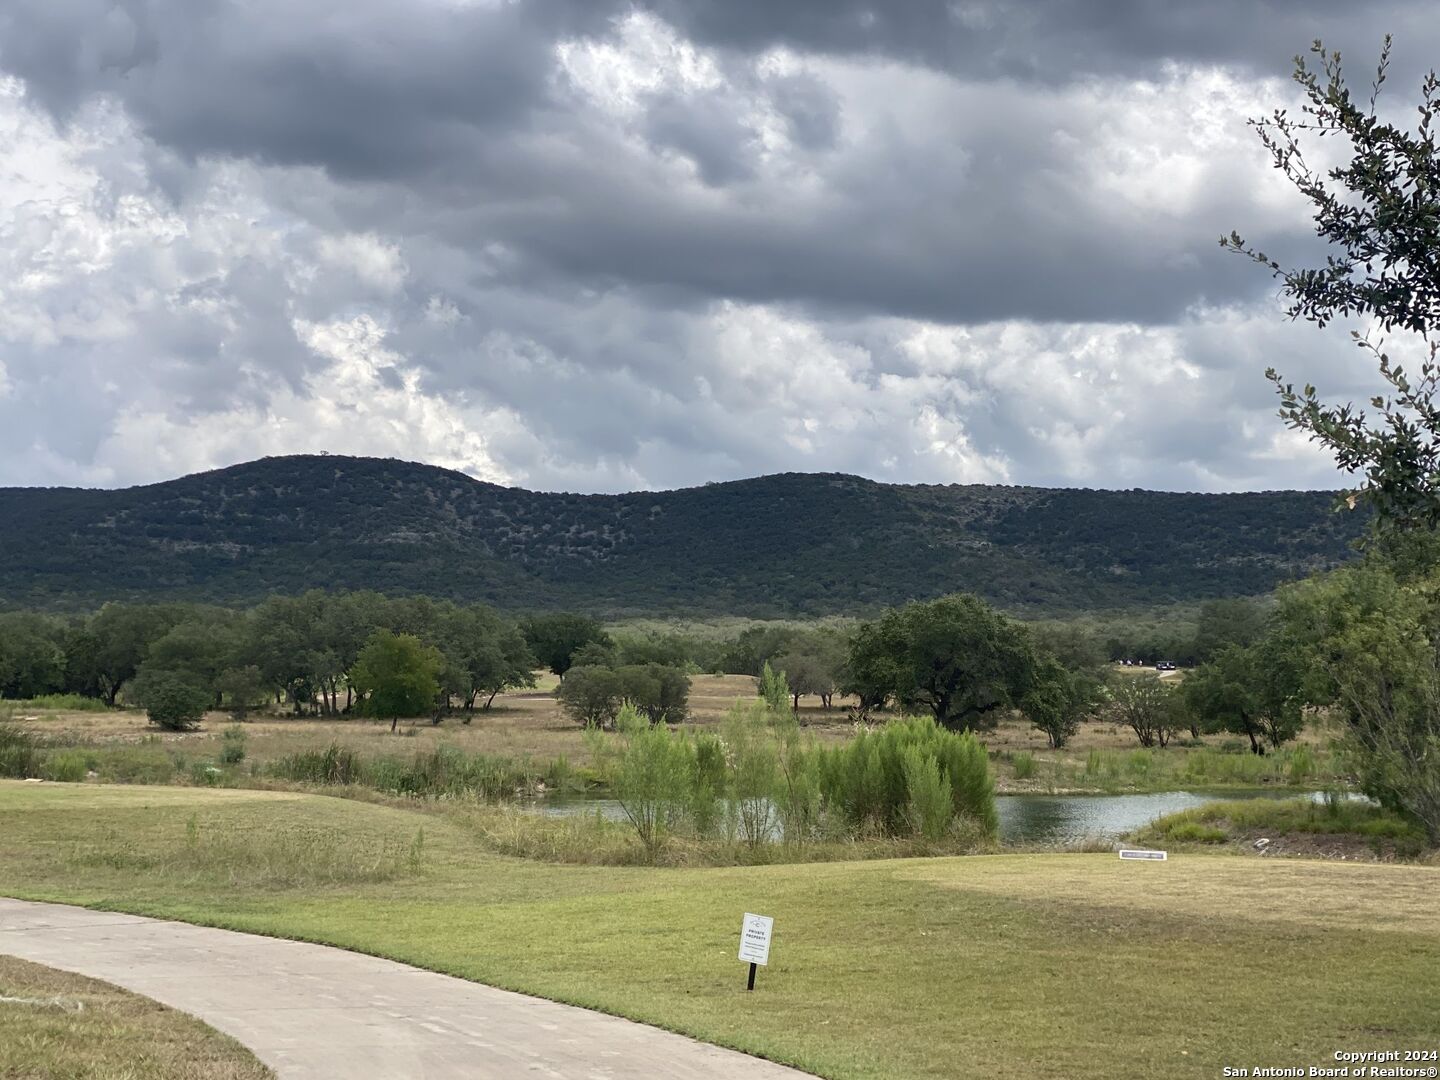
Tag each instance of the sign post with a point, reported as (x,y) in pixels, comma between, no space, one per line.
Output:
(755,942)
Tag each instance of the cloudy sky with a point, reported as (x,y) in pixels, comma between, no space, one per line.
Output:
(598,246)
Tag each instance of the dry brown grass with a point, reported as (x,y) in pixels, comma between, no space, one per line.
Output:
(529,722)
(65,1026)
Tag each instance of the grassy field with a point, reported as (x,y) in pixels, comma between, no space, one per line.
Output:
(59,1026)
(1067,966)
(530,724)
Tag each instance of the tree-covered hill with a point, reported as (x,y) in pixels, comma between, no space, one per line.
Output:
(792,544)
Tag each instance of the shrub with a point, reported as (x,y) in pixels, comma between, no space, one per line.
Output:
(652,778)
(864,780)
(206,774)
(931,802)
(173,701)
(1024,765)
(1302,764)
(752,765)
(707,782)
(232,746)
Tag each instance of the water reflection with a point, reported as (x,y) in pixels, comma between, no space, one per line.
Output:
(1026,819)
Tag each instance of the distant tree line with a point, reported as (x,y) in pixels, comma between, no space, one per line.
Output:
(320,653)
(337,654)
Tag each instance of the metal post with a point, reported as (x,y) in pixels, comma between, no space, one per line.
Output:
(751,984)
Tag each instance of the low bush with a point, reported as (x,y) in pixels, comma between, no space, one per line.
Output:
(232,746)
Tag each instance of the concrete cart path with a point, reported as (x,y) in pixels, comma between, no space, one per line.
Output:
(313,1012)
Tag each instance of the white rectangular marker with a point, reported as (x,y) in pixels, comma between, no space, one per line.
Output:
(1151,856)
(755,938)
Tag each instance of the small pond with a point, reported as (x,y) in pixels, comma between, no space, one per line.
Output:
(1025,819)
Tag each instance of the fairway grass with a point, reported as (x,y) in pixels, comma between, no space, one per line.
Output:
(1065,966)
(59,1026)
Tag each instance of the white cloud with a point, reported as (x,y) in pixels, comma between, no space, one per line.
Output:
(161,314)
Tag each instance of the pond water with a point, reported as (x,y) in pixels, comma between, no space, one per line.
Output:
(1025,819)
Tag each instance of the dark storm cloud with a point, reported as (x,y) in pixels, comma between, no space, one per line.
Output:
(451,101)
(1057,40)
(696,257)
(366,89)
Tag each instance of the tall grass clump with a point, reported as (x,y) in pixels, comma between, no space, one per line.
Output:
(865,780)
(334,765)
(65,766)
(54,703)
(443,772)
(19,752)
(1024,765)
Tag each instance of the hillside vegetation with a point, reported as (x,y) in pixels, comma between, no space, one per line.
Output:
(792,544)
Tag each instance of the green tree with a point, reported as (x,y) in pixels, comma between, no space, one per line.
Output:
(1059,700)
(32,655)
(812,667)
(592,695)
(1380,215)
(1369,646)
(116,642)
(955,657)
(500,661)
(555,639)
(242,689)
(1232,621)
(1252,691)
(397,675)
(660,693)
(1148,706)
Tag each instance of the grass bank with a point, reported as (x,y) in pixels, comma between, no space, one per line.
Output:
(59,1026)
(1334,827)
(975,967)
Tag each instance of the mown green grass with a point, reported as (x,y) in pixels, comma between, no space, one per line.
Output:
(1067,966)
(59,1026)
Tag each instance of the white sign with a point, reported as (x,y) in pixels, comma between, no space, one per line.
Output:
(755,938)
(1153,856)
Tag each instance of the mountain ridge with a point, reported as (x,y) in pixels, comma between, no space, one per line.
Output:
(781,544)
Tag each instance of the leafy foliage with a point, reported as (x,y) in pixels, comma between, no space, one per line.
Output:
(1253,691)
(1149,706)
(955,657)
(397,675)
(173,701)
(1380,216)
